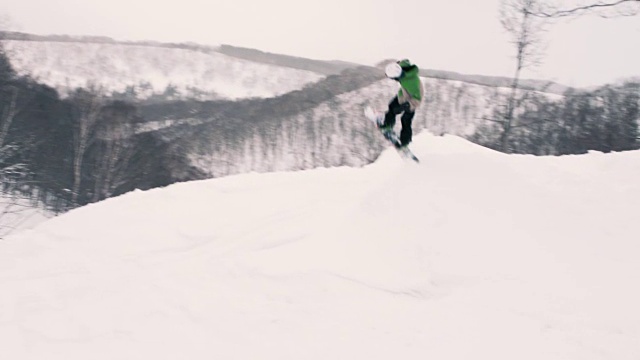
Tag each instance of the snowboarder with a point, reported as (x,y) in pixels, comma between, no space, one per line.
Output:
(406,101)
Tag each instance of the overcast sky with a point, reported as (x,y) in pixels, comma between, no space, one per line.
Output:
(457,35)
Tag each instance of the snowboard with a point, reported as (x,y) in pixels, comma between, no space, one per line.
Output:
(377,117)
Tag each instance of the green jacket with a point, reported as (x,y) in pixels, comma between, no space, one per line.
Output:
(410,85)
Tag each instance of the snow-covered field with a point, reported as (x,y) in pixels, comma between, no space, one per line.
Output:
(470,255)
(114,67)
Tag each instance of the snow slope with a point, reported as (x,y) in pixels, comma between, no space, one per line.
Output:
(150,70)
(470,255)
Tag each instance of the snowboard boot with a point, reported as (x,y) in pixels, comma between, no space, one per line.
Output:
(402,146)
(385,128)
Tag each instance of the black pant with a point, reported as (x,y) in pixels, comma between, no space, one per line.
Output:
(396,108)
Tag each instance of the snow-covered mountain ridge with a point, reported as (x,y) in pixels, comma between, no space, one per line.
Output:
(145,71)
(177,71)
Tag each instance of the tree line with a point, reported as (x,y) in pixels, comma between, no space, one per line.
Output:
(605,119)
(68,152)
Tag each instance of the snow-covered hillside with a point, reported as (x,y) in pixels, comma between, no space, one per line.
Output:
(335,132)
(150,70)
(471,254)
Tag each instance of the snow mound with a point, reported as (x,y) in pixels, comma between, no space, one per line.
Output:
(471,253)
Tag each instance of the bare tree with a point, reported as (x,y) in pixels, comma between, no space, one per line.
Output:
(11,169)
(114,150)
(88,105)
(525,31)
(12,206)
(8,92)
(9,111)
(602,8)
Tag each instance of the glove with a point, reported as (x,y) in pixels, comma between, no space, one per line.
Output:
(394,71)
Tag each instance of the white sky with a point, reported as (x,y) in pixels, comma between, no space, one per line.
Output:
(472,254)
(456,35)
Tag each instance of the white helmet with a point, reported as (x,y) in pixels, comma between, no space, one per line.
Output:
(393,70)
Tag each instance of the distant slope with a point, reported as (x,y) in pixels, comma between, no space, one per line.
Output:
(318,66)
(187,70)
(145,71)
(498,81)
(320,125)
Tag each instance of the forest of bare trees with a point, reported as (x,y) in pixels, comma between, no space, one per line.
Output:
(526,21)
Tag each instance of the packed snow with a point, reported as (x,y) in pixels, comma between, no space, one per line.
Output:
(472,254)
